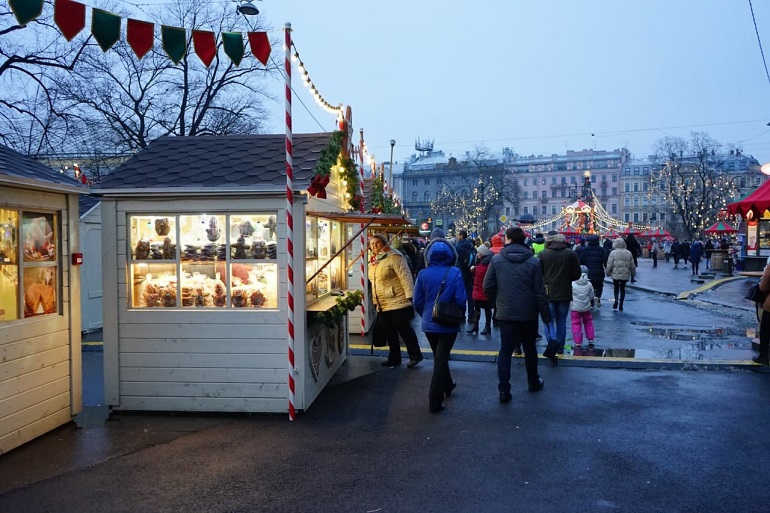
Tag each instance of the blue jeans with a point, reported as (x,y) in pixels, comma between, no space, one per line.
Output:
(559,312)
(512,334)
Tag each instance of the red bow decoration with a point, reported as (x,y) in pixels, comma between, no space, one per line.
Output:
(318,186)
(376,210)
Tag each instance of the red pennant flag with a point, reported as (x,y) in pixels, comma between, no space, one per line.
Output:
(205,45)
(260,46)
(140,36)
(70,16)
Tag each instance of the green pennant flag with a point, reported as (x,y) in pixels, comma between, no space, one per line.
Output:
(174,42)
(233,43)
(26,10)
(105,27)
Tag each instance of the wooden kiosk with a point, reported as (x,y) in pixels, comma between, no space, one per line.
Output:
(195,246)
(40,359)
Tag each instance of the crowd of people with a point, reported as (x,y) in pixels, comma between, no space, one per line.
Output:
(516,281)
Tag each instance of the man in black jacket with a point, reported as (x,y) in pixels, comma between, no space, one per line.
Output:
(561,267)
(595,258)
(466,258)
(514,284)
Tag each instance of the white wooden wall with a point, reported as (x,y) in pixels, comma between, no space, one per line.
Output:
(40,361)
(198,360)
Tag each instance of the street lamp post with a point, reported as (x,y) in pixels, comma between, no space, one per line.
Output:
(390,174)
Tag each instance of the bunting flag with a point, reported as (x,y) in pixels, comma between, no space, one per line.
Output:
(140,36)
(174,42)
(205,45)
(233,43)
(105,27)
(70,17)
(260,46)
(26,10)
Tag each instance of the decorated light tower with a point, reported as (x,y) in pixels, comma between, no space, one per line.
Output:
(588,198)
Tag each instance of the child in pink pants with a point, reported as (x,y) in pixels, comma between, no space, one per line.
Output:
(582,302)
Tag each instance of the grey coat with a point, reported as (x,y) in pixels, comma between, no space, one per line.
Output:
(620,264)
(514,284)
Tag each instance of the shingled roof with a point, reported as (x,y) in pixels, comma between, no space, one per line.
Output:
(211,163)
(22,171)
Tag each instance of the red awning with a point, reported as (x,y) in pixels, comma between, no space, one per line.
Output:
(758,201)
(719,228)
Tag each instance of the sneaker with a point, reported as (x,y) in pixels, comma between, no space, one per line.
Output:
(413,363)
(591,346)
(598,302)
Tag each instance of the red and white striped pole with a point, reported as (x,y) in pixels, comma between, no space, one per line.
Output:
(362,237)
(289,219)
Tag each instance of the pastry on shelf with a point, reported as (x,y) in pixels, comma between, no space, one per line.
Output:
(142,250)
(162,226)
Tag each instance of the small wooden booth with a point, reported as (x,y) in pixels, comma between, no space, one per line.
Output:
(755,210)
(195,243)
(40,359)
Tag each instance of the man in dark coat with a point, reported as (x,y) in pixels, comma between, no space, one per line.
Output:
(636,250)
(514,284)
(561,267)
(595,258)
(466,258)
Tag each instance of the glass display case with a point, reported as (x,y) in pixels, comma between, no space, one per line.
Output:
(29,264)
(323,238)
(9,265)
(203,261)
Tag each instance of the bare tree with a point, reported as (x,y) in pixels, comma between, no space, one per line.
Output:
(693,179)
(134,101)
(31,119)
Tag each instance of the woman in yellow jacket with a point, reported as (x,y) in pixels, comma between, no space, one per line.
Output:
(392,291)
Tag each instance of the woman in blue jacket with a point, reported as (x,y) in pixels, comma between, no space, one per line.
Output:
(440,256)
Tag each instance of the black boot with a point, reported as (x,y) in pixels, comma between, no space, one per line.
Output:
(475,328)
(487,330)
(762,360)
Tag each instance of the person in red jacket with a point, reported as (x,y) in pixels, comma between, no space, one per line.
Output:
(480,301)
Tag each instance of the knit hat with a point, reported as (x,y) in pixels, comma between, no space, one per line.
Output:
(437,233)
(584,269)
(483,250)
(380,237)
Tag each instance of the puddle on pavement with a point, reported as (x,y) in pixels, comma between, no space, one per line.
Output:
(695,343)
(92,416)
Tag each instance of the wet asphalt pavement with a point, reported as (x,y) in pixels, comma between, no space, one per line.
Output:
(607,433)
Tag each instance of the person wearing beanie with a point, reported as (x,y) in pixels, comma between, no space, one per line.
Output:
(582,299)
(561,267)
(480,300)
(514,284)
(392,292)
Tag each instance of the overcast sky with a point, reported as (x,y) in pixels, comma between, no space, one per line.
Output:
(539,77)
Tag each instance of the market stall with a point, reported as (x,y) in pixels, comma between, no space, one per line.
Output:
(754,210)
(197,279)
(40,365)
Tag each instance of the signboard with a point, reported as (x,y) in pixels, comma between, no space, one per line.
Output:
(503,218)
(425,227)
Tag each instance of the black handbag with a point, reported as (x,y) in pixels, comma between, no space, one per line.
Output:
(379,333)
(756,295)
(447,313)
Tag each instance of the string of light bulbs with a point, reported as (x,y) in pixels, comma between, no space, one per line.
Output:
(308,82)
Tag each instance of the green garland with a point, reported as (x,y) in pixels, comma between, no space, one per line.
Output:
(328,160)
(332,317)
(380,202)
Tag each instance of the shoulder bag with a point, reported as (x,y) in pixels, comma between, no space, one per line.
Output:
(756,295)
(447,313)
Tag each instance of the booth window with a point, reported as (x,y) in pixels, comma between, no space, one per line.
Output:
(203,260)
(28,250)
(323,238)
